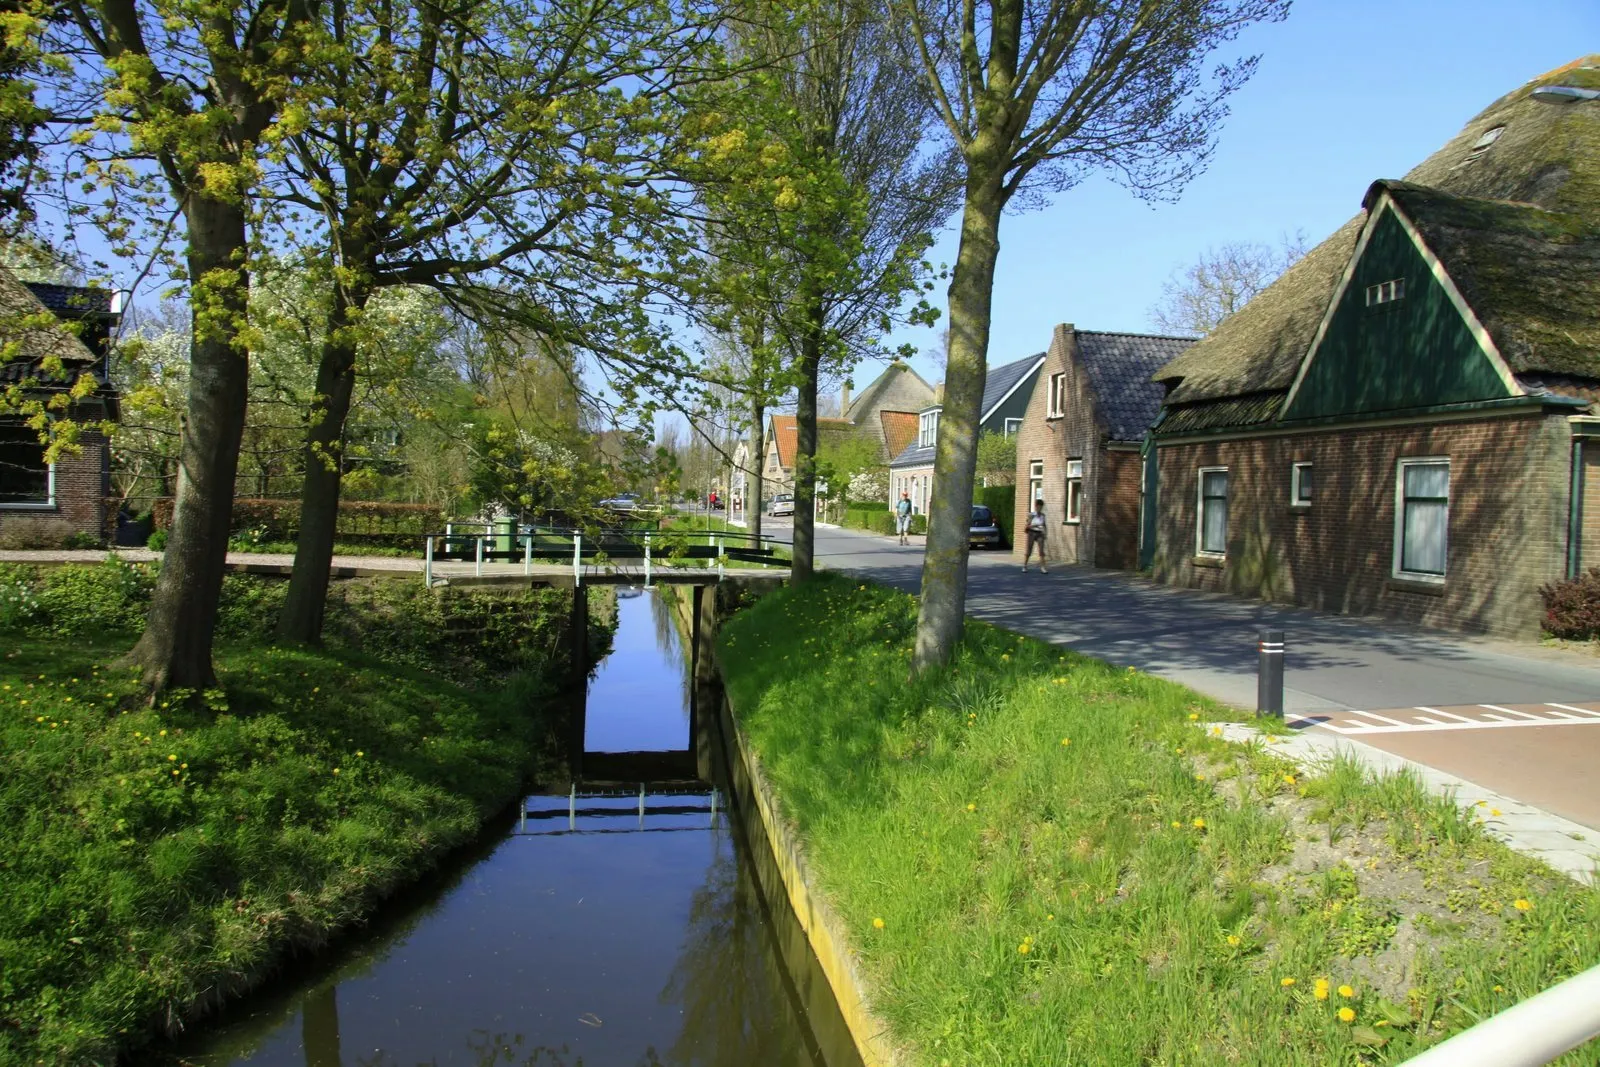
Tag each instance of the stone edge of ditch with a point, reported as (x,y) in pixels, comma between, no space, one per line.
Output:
(824,929)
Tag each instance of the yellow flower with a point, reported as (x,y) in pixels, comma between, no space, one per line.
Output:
(1024,948)
(163,733)
(877,924)
(1194,716)
(1499,989)
(1494,811)
(336,770)
(1522,904)
(1346,992)
(1347,1015)
(1050,918)
(359,753)
(1199,824)
(1233,939)
(972,807)
(1286,982)
(1066,740)
(1176,824)
(172,759)
(1289,778)
(1199,777)
(1320,990)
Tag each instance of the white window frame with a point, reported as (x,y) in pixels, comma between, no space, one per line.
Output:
(1386,292)
(1058,396)
(47,504)
(1013,426)
(928,429)
(1073,511)
(1400,468)
(1035,481)
(1200,514)
(1296,475)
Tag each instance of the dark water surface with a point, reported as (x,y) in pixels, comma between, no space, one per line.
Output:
(586,935)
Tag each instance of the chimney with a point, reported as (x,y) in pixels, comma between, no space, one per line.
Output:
(844,399)
(938,392)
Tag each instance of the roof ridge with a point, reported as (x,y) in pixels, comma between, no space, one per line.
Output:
(1131,333)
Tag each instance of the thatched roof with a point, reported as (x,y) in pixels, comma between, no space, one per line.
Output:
(22,317)
(1544,156)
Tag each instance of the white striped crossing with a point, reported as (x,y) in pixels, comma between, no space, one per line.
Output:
(1456,717)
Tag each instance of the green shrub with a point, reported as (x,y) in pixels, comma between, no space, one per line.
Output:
(919,524)
(19,604)
(105,598)
(157,541)
(80,539)
(1001,500)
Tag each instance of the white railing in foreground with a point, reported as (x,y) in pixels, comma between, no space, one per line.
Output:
(1529,1034)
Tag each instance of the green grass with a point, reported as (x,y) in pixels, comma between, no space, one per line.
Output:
(340,548)
(1069,869)
(154,860)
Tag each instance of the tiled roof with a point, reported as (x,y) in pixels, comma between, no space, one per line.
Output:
(899,430)
(784,436)
(71,299)
(1001,380)
(915,455)
(1120,366)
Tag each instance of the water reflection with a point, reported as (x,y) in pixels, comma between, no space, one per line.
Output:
(567,943)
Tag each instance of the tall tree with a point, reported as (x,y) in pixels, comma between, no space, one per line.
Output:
(1036,94)
(194,87)
(1220,282)
(517,141)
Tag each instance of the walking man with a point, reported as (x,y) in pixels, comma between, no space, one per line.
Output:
(902,515)
(1035,537)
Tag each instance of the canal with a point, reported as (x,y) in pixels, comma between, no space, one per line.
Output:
(615,919)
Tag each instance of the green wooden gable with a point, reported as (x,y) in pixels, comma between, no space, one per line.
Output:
(1408,351)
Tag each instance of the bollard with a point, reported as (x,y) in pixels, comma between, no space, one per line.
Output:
(1269,674)
(527,553)
(647,558)
(427,562)
(477,567)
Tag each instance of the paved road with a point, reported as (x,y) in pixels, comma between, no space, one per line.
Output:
(1449,702)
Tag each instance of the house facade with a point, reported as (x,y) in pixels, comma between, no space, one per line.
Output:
(1079,447)
(72,489)
(878,412)
(1403,424)
(1006,390)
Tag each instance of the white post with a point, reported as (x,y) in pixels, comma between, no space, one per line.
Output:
(720,550)
(527,553)
(1528,1034)
(647,558)
(477,567)
(577,548)
(427,561)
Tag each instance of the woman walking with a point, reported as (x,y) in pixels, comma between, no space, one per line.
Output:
(1035,537)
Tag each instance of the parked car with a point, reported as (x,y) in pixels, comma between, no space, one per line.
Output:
(984,531)
(622,502)
(783,504)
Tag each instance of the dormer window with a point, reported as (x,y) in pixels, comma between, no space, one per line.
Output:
(928,430)
(1386,292)
(1481,145)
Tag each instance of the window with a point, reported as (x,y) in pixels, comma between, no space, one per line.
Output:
(1482,144)
(1012,426)
(928,431)
(1074,490)
(26,480)
(1422,518)
(1035,481)
(1386,292)
(1212,535)
(1300,486)
(1058,396)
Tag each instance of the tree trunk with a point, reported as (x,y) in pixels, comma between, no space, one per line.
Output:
(307,598)
(752,478)
(175,649)
(944,565)
(805,459)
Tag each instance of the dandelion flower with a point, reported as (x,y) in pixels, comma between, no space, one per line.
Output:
(1176,824)
(1286,982)
(877,924)
(1289,779)
(1066,740)
(1024,948)
(1499,989)
(1346,992)
(1199,824)
(172,759)
(1347,1015)
(1051,917)
(1320,990)
(1495,812)
(1199,777)
(336,770)
(1522,904)
(1233,939)
(972,807)
(1194,716)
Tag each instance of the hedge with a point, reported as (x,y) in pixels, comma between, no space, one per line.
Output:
(1572,607)
(279,519)
(1001,500)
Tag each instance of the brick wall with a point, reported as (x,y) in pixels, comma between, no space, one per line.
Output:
(1116,533)
(1509,488)
(81,484)
(1589,533)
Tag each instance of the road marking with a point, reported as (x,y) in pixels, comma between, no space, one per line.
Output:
(1582,711)
(1436,722)
(1446,714)
(1461,717)
(1502,718)
(1511,711)
(1380,718)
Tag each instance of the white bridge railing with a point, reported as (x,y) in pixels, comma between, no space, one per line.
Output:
(1528,1034)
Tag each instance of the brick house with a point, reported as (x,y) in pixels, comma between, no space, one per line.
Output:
(898,390)
(73,488)
(1006,390)
(1079,445)
(1402,424)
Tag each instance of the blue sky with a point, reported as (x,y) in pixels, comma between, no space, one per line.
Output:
(1348,91)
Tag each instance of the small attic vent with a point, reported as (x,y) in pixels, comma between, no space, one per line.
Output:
(1386,292)
(1481,145)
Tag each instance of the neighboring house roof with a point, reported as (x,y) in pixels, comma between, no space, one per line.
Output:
(1520,154)
(19,302)
(915,455)
(1120,366)
(869,399)
(899,430)
(1002,381)
(786,435)
(66,300)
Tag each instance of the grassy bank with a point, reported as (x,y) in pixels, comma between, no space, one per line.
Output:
(1044,860)
(155,860)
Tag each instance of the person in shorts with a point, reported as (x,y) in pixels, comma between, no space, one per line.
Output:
(902,516)
(1035,529)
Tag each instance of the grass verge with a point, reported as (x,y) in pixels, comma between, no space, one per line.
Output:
(156,860)
(1045,860)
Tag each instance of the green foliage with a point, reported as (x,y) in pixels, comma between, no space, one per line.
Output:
(869,517)
(157,541)
(1001,500)
(109,597)
(997,458)
(1041,859)
(158,857)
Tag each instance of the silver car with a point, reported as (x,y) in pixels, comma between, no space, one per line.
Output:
(782,504)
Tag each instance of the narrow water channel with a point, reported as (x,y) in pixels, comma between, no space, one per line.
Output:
(606,927)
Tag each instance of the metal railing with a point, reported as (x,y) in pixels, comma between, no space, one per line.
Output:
(1528,1034)
(484,543)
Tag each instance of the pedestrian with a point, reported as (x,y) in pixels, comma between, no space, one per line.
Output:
(1035,537)
(902,516)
